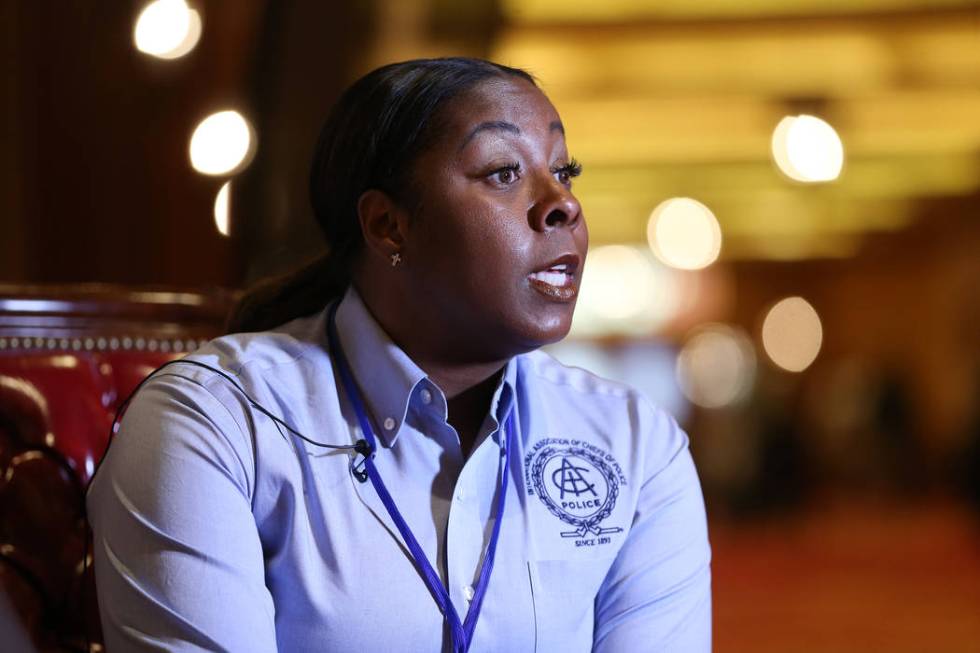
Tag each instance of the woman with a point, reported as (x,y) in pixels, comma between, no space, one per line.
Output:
(496,500)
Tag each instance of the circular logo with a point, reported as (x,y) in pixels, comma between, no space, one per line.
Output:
(576,485)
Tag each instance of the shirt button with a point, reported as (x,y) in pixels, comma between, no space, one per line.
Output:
(426,396)
(389,423)
(468,592)
(460,495)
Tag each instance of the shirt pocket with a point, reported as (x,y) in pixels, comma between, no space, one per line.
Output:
(563,592)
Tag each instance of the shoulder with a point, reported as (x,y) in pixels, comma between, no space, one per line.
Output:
(283,356)
(203,401)
(301,339)
(547,370)
(622,416)
(278,368)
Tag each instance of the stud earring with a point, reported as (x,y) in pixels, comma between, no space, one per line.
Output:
(396,258)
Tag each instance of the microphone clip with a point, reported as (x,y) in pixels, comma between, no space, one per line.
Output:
(358,469)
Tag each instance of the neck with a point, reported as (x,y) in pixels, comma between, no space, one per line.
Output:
(457,380)
(468,409)
(467,384)
(431,348)
(468,387)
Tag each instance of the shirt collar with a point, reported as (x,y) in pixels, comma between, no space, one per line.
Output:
(387,377)
(504,397)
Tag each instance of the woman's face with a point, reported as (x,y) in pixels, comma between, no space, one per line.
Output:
(497,244)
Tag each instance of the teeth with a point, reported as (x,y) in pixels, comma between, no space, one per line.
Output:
(551,278)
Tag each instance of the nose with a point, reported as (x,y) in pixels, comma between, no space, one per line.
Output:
(555,208)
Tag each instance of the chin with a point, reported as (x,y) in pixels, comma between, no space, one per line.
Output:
(545,332)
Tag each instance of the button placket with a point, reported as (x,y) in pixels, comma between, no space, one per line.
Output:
(465,536)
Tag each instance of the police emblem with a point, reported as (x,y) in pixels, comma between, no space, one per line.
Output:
(576,481)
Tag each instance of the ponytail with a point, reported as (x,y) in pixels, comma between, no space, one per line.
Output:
(299,292)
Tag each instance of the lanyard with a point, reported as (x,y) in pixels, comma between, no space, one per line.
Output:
(461,631)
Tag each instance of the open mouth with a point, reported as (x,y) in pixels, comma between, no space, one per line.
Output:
(558,276)
(557,280)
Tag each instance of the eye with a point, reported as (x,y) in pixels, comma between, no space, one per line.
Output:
(506,176)
(564,174)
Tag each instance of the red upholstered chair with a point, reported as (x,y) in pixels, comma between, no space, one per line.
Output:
(69,356)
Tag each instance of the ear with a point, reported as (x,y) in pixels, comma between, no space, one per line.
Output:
(383,224)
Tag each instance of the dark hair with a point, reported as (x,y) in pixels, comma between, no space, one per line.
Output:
(377,129)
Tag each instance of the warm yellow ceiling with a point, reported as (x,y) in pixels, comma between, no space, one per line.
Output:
(656,109)
(604,11)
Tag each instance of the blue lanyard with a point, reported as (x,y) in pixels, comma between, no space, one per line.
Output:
(462,632)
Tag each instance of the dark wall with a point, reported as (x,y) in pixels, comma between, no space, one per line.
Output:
(100,186)
(96,180)
(309,52)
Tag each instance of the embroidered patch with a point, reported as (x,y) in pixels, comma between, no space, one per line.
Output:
(577,482)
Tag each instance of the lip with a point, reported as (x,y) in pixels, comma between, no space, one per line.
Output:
(571,260)
(564,293)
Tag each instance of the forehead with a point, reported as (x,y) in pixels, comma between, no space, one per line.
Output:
(499,100)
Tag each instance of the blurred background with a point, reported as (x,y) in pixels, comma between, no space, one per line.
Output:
(783,198)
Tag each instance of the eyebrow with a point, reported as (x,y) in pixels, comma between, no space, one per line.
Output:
(502,125)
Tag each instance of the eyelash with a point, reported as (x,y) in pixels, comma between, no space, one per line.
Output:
(572,169)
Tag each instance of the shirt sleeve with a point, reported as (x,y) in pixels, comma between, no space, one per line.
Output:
(657,595)
(178,561)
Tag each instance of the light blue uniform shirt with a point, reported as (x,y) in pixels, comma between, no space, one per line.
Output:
(217,531)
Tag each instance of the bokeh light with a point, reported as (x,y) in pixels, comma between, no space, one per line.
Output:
(222,211)
(624,291)
(716,366)
(222,144)
(684,233)
(792,334)
(807,149)
(167,29)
